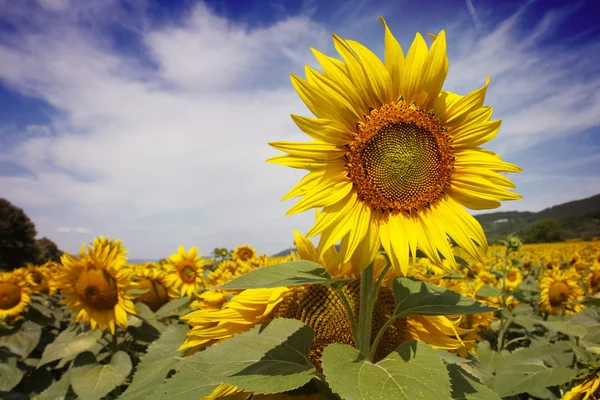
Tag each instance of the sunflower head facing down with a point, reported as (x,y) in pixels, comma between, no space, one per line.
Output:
(15,293)
(243,252)
(184,271)
(394,158)
(559,288)
(95,284)
(154,282)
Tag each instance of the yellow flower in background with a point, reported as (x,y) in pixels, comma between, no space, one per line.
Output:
(558,288)
(243,252)
(184,271)
(95,284)
(513,278)
(589,388)
(394,158)
(15,293)
(158,292)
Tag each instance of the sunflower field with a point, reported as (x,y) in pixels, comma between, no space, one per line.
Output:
(400,298)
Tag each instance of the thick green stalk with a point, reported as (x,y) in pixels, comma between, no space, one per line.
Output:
(365,316)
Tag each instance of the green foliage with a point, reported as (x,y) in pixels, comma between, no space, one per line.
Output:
(271,358)
(415,297)
(24,340)
(546,230)
(68,344)
(413,371)
(10,375)
(466,387)
(17,237)
(94,381)
(156,363)
(293,273)
(48,251)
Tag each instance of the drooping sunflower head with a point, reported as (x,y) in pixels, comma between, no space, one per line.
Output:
(557,289)
(394,157)
(158,291)
(243,252)
(15,293)
(95,284)
(184,271)
(587,389)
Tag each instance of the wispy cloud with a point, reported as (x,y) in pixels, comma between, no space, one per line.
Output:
(67,229)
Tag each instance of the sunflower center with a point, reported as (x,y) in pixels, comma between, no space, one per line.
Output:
(98,289)
(319,307)
(187,274)
(156,295)
(512,276)
(37,277)
(10,295)
(400,160)
(558,293)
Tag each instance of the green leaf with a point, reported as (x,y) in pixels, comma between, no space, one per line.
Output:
(136,292)
(23,341)
(167,309)
(466,387)
(69,344)
(488,291)
(450,358)
(565,327)
(415,297)
(293,273)
(271,358)
(58,390)
(413,371)
(156,363)
(92,382)
(529,377)
(489,359)
(10,375)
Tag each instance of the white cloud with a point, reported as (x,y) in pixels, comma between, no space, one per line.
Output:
(67,229)
(172,151)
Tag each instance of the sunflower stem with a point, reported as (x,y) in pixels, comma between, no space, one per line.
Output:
(379,336)
(365,316)
(344,299)
(113,343)
(504,323)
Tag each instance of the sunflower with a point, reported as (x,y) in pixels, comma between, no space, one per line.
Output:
(394,157)
(15,293)
(184,271)
(513,279)
(593,279)
(558,288)
(243,252)
(158,291)
(588,389)
(95,284)
(319,307)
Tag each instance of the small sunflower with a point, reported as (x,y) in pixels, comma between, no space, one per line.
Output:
(15,293)
(513,278)
(587,389)
(95,284)
(394,158)
(243,252)
(558,288)
(158,292)
(184,271)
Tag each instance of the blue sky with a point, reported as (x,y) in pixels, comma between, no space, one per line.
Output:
(149,120)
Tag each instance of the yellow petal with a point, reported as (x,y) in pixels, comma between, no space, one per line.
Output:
(413,66)
(316,150)
(376,72)
(394,61)
(323,195)
(434,73)
(465,104)
(306,249)
(325,130)
(332,214)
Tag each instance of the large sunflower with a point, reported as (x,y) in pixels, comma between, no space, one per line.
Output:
(184,271)
(15,293)
(394,157)
(95,284)
(558,289)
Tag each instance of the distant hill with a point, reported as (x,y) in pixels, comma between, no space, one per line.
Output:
(578,219)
